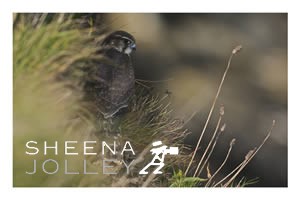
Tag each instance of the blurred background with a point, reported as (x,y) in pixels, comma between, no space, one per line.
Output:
(189,52)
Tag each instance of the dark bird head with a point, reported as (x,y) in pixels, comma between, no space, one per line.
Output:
(121,41)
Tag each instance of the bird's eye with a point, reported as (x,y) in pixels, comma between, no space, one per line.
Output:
(128,42)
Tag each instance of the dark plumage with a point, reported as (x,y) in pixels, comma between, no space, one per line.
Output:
(111,83)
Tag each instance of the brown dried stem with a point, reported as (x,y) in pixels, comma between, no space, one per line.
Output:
(208,146)
(234,51)
(247,159)
(209,154)
(251,154)
(223,163)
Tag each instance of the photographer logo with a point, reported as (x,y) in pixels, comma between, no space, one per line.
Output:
(159,151)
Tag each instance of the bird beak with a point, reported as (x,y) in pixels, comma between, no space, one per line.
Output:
(133,46)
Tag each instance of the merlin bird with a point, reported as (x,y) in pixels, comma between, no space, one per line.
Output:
(110,84)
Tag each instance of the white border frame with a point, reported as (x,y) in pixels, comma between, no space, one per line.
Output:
(138,195)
